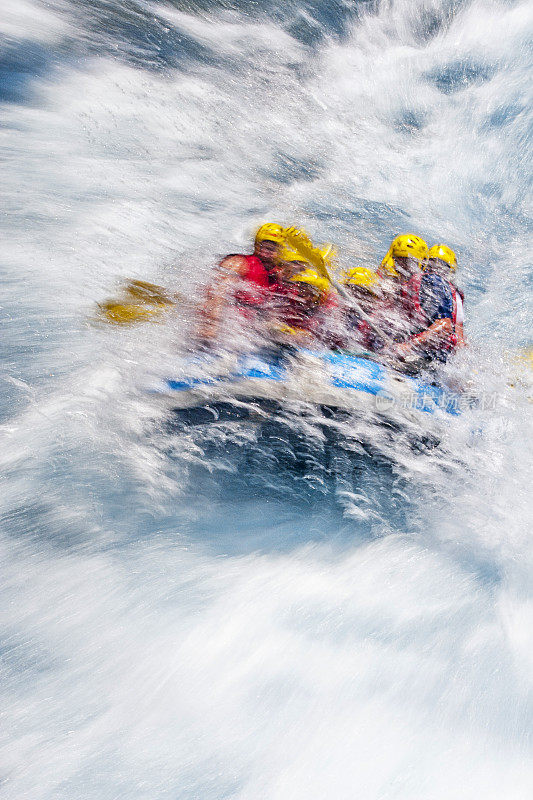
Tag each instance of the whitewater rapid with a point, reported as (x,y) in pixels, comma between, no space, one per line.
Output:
(189,616)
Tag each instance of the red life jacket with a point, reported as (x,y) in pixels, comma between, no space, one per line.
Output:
(289,309)
(410,302)
(257,276)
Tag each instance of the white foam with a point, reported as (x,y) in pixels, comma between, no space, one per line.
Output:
(163,642)
(28,21)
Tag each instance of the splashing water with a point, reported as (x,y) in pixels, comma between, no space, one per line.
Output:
(227,614)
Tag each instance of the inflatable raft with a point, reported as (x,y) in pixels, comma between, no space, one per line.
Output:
(334,380)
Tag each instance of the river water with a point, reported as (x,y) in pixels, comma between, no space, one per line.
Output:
(208,615)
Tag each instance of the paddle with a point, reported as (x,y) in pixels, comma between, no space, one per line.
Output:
(139,302)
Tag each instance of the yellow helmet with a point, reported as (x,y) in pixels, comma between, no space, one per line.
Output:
(360,276)
(313,278)
(406,245)
(443,253)
(270,232)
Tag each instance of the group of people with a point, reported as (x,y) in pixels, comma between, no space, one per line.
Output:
(409,309)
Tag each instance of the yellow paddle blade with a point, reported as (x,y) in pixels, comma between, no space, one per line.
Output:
(520,359)
(128,313)
(329,253)
(521,368)
(300,241)
(525,356)
(138,301)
